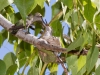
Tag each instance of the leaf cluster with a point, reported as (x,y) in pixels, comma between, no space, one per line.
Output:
(82,18)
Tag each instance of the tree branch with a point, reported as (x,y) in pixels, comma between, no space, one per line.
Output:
(29,38)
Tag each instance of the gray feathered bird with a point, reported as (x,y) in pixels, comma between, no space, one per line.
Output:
(29,21)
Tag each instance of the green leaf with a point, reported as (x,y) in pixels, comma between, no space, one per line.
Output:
(93,41)
(25,7)
(53,67)
(88,7)
(4,34)
(38,28)
(4,3)
(62,41)
(53,73)
(68,3)
(97,72)
(47,56)
(82,71)
(40,65)
(77,18)
(11,58)
(15,46)
(72,64)
(11,70)
(68,14)
(17,17)
(30,72)
(21,54)
(10,12)
(22,58)
(85,34)
(96,2)
(27,48)
(56,27)
(39,2)
(1,39)
(78,42)
(34,70)
(11,16)
(81,62)
(38,9)
(97,21)
(2,67)
(56,8)
(11,38)
(92,57)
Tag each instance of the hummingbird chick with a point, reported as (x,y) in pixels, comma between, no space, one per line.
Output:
(47,35)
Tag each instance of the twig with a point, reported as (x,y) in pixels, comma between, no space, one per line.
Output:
(57,15)
(62,63)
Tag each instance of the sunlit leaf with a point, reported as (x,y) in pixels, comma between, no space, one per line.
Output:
(92,57)
(81,62)
(4,3)
(15,46)
(53,67)
(89,7)
(10,12)
(40,65)
(11,58)
(53,73)
(2,67)
(39,2)
(96,2)
(82,71)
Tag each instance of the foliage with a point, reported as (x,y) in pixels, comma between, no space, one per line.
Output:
(82,17)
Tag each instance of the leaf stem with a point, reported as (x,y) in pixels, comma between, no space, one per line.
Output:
(43,69)
(57,15)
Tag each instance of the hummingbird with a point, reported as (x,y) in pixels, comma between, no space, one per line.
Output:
(29,21)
